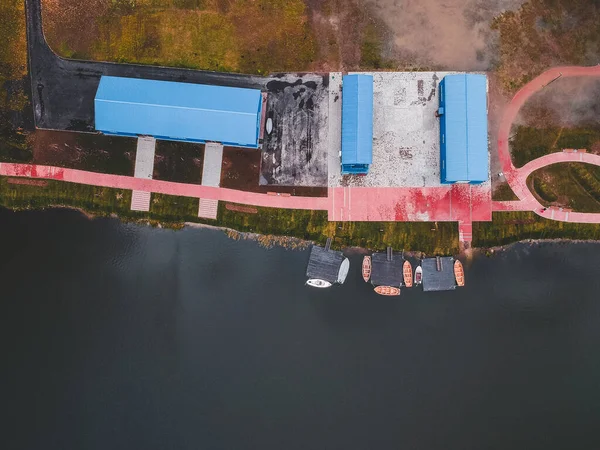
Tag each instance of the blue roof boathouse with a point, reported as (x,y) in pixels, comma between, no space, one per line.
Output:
(178,111)
(463,129)
(357,123)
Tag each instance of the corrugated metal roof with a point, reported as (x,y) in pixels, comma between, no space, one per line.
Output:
(464,128)
(384,272)
(438,281)
(183,111)
(324,264)
(357,119)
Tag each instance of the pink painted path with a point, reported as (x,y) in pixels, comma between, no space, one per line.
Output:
(462,203)
(458,203)
(161,187)
(517,178)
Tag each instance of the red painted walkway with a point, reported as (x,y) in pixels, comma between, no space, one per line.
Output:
(517,178)
(161,187)
(460,203)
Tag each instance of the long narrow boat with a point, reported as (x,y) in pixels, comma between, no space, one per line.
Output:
(408,275)
(418,275)
(315,282)
(459,273)
(366,268)
(387,290)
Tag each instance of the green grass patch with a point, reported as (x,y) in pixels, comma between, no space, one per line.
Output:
(545,192)
(95,200)
(503,192)
(545,33)
(528,143)
(509,227)
(571,185)
(253,36)
(371,49)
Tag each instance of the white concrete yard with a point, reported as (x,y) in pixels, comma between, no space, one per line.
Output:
(406,132)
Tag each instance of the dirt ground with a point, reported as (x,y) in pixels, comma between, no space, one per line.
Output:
(93,152)
(178,161)
(241,170)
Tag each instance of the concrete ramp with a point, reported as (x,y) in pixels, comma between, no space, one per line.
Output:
(140,201)
(213,160)
(211,176)
(144,166)
(144,157)
(207,209)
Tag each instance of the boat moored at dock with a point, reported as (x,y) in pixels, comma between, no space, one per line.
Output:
(418,275)
(459,273)
(407,274)
(366,268)
(316,282)
(387,290)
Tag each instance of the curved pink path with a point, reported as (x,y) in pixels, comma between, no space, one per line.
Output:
(517,178)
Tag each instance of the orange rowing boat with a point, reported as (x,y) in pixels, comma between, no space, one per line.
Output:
(408,275)
(459,273)
(387,290)
(366,268)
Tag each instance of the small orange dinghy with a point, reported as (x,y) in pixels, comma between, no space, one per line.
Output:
(459,273)
(387,290)
(366,268)
(407,273)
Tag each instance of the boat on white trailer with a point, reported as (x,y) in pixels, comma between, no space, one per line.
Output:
(315,282)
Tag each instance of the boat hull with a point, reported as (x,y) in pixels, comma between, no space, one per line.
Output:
(366,268)
(418,275)
(459,273)
(387,290)
(408,275)
(315,282)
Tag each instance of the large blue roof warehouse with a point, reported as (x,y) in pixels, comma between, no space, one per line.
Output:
(357,123)
(463,129)
(178,111)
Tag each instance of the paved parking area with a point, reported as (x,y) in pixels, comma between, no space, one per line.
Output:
(406,133)
(295,153)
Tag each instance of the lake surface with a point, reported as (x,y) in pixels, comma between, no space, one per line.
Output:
(126,337)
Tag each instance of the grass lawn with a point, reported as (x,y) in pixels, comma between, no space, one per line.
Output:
(251,36)
(545,33)
(508,227)
(571,185)
(503,192)
(528,143)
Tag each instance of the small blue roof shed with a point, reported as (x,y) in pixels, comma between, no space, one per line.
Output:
(357,123)
(178,111)
(463,129)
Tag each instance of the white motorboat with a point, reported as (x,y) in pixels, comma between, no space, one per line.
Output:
(316,282)
(269,125)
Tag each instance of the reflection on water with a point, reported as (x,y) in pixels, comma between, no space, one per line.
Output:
(119,336)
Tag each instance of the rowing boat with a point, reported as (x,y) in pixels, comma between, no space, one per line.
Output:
(408,275)
(418,275)
(366,268)
(459,273)
(387,290)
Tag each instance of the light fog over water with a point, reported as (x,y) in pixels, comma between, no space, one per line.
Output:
(122,336)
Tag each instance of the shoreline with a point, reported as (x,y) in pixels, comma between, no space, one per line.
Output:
(294,243)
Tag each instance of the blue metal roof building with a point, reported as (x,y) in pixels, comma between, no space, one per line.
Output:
(357,123)
(178,111)
(463,129)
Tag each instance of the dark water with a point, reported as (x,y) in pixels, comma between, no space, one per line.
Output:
(117,336)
